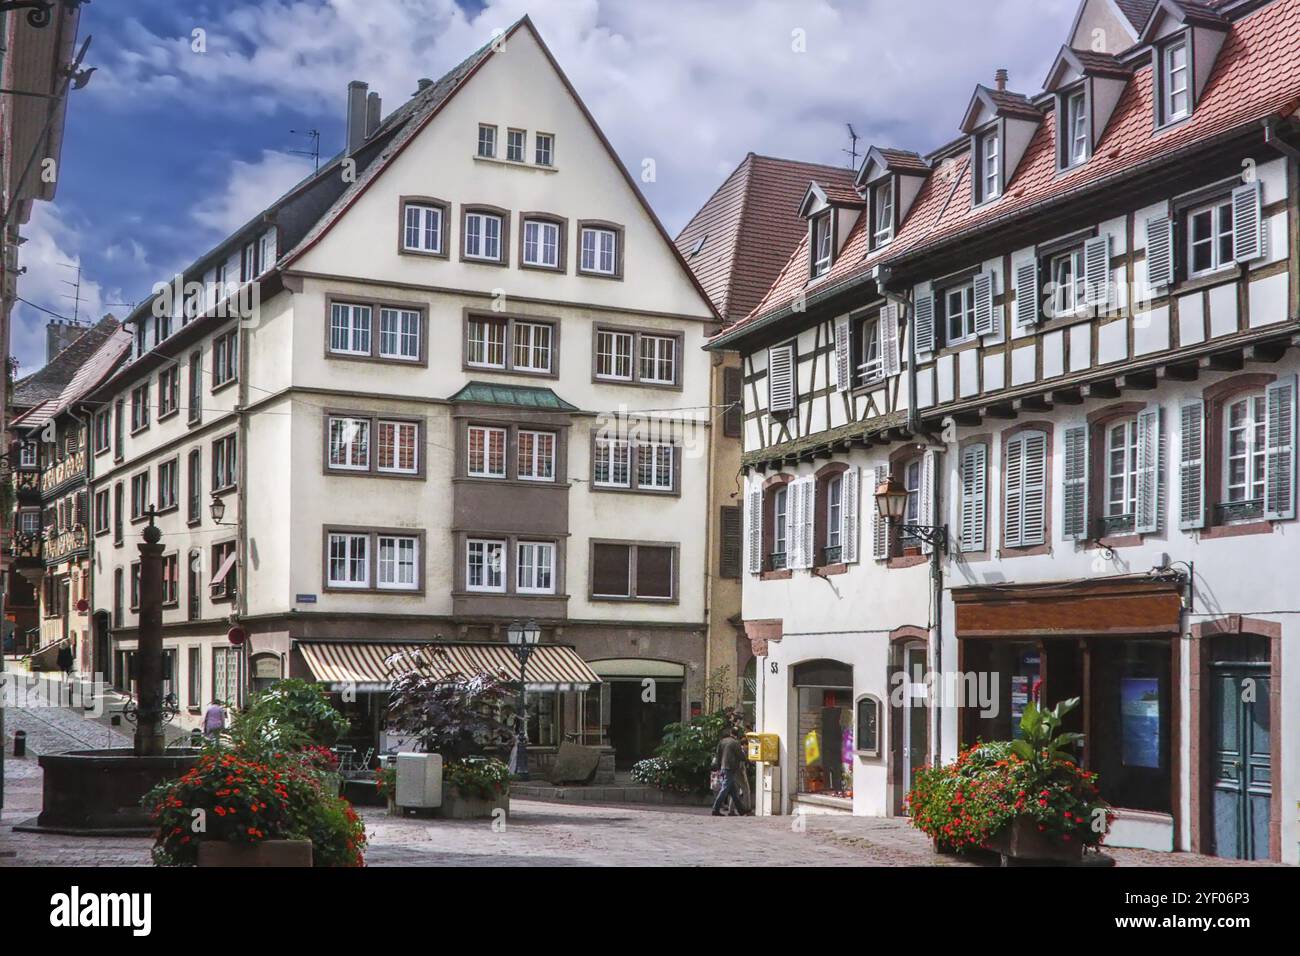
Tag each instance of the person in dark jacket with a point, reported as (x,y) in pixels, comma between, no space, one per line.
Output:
(730,760)
(65,660)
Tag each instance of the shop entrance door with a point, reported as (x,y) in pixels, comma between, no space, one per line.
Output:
(916,736)
(1241,775)
(636,725)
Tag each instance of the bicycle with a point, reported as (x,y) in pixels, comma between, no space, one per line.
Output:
(171,706)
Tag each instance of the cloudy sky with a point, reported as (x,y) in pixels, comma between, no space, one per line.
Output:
(185,129)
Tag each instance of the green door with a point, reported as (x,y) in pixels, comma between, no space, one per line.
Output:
(1242,775)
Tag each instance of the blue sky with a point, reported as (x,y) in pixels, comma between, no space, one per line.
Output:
(170,147)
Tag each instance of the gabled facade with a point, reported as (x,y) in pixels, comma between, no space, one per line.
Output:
(1090,383)
(473,394)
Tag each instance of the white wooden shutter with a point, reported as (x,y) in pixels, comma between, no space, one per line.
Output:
(974,494)
(879,527)
(754,537)
(1279,461)
(808,547)
(889,357)
(1013,479)
(780,378)
(850,495)
(1027,293)
(1191,465)
(843,355)
(1074,498)
(1034,518)
(923,324)
(1247,222)
(929,478)
(794,519)
(984,304)
(1150,468)
(1096,270)
(1160,252)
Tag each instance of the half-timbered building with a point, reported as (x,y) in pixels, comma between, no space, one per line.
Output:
(1068,335)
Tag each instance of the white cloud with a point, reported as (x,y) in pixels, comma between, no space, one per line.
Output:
(693,83)
(250,188)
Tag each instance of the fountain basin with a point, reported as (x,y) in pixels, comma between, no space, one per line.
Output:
(98,792)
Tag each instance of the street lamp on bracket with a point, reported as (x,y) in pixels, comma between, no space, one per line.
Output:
(891,505)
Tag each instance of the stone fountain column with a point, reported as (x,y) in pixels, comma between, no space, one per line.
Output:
(149,739)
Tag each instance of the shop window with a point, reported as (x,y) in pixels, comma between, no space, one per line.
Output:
(825,727)
(867,727)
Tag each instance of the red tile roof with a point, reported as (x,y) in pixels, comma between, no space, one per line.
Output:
(750,226)
(1256,76)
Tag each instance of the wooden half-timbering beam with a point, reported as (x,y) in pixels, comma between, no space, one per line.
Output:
(1106,388)
(1265,351)
(1179,372)
(1003,410)
(1144,381)
(1032,403)
(1229,361)
(1071,395)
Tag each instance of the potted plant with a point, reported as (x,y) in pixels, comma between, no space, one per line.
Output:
(460,717)
(1026,799)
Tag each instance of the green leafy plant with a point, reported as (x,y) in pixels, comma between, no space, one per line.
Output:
(485,778)
(684,758)
(290,716)
(457,715)
(1040,744)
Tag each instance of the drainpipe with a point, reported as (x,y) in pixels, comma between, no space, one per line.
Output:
(883,277)
(241,498)
(88,582)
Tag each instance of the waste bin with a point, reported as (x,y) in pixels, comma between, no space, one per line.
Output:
(20,743)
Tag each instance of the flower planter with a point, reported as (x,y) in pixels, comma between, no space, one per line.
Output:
(267,853)
(456,806)
(1023,843)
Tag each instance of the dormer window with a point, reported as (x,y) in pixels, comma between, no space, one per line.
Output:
(882,213)
(988,166)
(1175,82)
(821,244)
(1075,128)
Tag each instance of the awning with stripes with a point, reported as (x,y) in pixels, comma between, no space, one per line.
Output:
(372,665)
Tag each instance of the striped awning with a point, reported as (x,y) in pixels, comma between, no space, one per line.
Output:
(372,665)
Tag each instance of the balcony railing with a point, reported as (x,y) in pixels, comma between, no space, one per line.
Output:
(59,544)
(1233,511)
(27,483)
(831,555)
(25,544)
(73,466)
(776,561)
(1112,525)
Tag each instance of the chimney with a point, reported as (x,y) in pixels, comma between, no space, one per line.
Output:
(423,85)
(356,115)
(373,111)
(1000,80)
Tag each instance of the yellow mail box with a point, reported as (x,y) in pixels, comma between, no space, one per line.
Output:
(763,748)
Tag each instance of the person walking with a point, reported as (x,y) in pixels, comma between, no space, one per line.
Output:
(730,760)
(214,719)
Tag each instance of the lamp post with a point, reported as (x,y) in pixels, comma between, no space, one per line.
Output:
(891,503)
(523,638)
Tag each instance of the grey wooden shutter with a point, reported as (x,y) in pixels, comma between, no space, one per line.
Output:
(780,378)
(1027,293)
(731,535)
(974,495)
(1279,460)
(1247,222)
(923,324)
(1160,252)
(1096,270)
(754,539)
(1150,466)
(733,397)
(1191,465)
(843,355)
(850,495)
(891,363)
(929,484)
(1074,498)
(984,304)
(879,526)
(1033,528)
(1013,480)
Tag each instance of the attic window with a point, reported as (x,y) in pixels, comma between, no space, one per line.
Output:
(821,244)
(1074,128)
(699,244)
(989,166)
(1175,82)
(882,212)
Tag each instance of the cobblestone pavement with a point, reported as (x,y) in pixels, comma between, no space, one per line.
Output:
(536,834)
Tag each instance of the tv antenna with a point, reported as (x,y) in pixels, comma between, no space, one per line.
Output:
(314,152)
(76,292)
(853,147)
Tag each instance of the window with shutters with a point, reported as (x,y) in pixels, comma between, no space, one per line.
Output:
(225,359)
(171,584)
(822,230)
(868,353)
(139,408)
(833,516)
(1175,101)
(139,495)
(225,463)
(1074,131)
(988,166)
(119,512)
(958,313)
(780,528)
(633,571)
(1209,238)
(169,484)
(1026,497)
(1121,477)
(782,387)
(730,541)
(194,481)
(102,512)
(194,413)
(1244,456)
